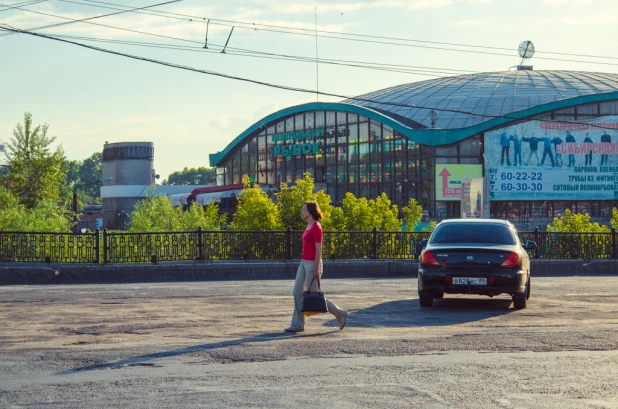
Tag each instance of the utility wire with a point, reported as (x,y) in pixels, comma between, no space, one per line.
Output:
(179,39)
(85,20)
(404,69)
(271,85)
(312,32)
(14,6)
(146,33)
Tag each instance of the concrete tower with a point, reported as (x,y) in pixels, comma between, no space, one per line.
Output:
(131,167)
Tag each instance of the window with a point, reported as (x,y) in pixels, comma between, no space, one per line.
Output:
(330,118)
(470,147)
(609,108)
(473,233)
(448,150)
(341,118)
(588,109)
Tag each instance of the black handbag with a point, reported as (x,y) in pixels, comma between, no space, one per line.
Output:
(314,301)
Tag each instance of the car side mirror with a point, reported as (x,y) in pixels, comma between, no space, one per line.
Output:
(530,245)
(420,246)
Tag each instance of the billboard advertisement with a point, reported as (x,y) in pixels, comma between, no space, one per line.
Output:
(472,198)
(449,176)
(548,160)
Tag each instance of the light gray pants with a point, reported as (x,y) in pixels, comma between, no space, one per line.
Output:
(305,275)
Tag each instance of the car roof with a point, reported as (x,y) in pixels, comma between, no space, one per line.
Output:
(478,221)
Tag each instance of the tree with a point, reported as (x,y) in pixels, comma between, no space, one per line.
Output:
(290,202)
(193,176)
(255,210)
(360,214)
(91,170)
(47,216)
(575,223)
(580,242)
(387,213)
(412,214)
(157,214)
(82,172)
(36,173)
(357,213)
(614,220)
(206,217)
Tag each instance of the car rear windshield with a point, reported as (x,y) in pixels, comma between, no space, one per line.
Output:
(473,233)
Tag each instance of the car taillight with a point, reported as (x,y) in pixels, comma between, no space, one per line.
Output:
(448,279)
(512,260)
(490,280)
(428,258)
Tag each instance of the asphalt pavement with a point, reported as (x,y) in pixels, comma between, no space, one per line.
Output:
(221,344)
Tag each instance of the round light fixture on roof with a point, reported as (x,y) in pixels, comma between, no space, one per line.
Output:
(526,49)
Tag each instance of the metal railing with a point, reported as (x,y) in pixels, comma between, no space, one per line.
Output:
(49,247)
(126,247)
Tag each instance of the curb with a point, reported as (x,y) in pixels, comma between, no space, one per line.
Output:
(222,271)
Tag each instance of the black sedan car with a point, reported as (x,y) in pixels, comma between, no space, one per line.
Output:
(474,256)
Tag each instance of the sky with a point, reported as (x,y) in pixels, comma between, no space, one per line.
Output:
(90,97)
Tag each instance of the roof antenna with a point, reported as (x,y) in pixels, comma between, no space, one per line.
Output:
(228,40)
(206,41)
(526,51)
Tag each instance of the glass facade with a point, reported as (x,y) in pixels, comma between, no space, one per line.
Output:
(347,152)
(343,152)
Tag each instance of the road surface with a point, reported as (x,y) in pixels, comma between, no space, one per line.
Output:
(221,344)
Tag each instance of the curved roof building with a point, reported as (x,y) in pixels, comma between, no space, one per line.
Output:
(482,126)
(473,99)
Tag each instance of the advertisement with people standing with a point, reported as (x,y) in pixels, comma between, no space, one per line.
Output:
(561,160)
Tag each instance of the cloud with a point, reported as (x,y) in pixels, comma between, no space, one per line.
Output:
(596,19)
(473,22)
(575,3)
(342,7)
(143,120)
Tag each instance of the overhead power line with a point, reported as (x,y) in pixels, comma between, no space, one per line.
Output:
(312,33)
(254,25)
(14,6)
(84,20)
(398,68)
(259,54)
(271,85)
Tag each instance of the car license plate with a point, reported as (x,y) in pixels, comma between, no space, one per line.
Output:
(470,280)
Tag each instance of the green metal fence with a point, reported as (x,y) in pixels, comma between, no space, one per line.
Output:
(126,247)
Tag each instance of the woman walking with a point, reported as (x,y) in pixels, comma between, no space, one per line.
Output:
(311,268)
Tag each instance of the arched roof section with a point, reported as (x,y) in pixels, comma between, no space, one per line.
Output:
(467,100)
(467,104)
(215,158)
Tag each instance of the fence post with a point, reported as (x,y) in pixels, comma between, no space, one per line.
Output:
(105,247)
(200,244)
(375,243)
(536,240)
(613,242)
(288,252)
(97,247)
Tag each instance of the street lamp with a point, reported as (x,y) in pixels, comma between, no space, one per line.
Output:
(85,184)
(433,117)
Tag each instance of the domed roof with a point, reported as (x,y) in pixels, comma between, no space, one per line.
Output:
(468,100)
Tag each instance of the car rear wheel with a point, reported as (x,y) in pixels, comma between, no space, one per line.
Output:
(425,299)
(438,295)
(519,301)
